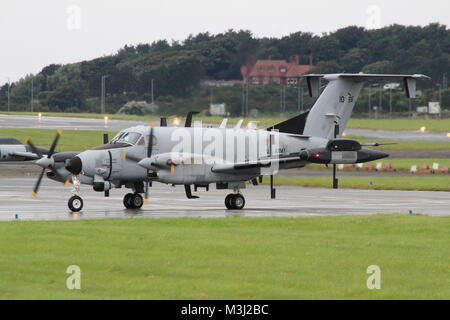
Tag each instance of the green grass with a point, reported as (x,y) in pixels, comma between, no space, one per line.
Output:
(437,125)
(398,164)
(427,183)
(405,145)
(227,258)
(401,124)
(71,140)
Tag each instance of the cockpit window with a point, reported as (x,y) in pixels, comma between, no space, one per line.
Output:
(126,137)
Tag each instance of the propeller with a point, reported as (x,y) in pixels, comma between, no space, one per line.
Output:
(149,154)
(46,162)
(376,144)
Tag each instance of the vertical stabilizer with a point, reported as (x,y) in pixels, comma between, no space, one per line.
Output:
(337,101)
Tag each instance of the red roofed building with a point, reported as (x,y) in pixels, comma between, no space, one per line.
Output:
(262,72)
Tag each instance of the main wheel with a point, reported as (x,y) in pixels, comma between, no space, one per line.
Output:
(228,201)
(136,201)
(238,201)
(75,204)
(127,201)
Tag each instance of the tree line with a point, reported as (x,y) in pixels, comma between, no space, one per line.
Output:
(178,68)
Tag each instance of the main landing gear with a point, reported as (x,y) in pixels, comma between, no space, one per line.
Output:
(235,201)
(133,201)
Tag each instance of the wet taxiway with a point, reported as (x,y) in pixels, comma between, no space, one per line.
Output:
(168,201)
(64,123)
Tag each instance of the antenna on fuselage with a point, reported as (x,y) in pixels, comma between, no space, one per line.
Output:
(189,116)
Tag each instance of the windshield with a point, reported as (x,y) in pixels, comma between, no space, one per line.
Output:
(126,137)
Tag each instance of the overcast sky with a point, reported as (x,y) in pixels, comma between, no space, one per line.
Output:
(37,33)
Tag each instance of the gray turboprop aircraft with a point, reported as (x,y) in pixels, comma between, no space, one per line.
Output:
(228,157)
(12,149)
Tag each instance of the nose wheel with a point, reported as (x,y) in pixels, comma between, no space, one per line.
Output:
(75,204)
(133,201)
(235,201)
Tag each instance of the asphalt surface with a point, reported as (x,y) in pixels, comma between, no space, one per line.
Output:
(168,201)
(64,123)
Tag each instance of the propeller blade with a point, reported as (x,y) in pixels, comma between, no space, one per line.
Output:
(376,144)
(150,144)
(38,183)
(172,169)
(33,147)
(126,156)
(149,154)
(67,182)
(55,142)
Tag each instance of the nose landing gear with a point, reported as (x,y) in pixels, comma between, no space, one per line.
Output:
(75,204)
(133,201)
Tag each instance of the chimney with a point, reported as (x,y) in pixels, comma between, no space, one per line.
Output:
(295,59)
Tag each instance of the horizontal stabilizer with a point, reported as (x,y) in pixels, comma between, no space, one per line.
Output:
(295,125)
(313,80)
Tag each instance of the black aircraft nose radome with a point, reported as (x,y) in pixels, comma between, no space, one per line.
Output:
(74,166)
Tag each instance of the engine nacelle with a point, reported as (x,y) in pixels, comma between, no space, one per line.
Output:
(100,186)
(341,151)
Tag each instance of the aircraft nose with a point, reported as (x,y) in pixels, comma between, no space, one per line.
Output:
(75,166)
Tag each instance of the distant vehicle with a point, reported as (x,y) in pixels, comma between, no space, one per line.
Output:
(392,86)
(218,109)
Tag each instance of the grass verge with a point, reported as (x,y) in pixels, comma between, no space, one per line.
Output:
(227,258)
(420,183)
(437,125)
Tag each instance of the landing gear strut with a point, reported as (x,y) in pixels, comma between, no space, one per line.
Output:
(75,203)
(133,201)
(235,201)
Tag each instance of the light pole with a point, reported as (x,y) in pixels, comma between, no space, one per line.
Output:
(390,102)
(32,89)
(153,98)
(440,100)
(380,107)
(9,87)
(102,104)
(370,101)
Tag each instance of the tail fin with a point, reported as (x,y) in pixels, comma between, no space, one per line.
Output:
(336,102)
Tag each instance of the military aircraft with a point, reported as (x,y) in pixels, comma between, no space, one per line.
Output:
(12,149)
(228,157)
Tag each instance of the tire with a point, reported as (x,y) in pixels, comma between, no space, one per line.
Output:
(75,204)
(127,200)
(136,201)
(238,202)
(228,201)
